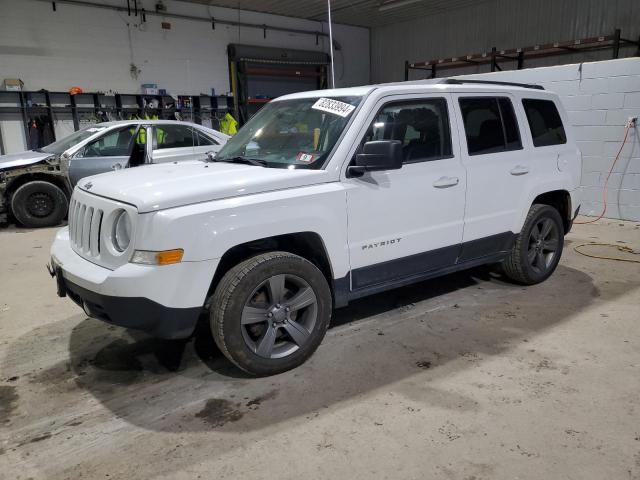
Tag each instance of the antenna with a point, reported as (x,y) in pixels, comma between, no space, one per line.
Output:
(333,78)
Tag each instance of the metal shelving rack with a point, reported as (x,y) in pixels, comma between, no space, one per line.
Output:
(259,74)
(519,55)
(57,105)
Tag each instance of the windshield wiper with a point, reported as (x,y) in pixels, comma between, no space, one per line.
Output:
(247,160)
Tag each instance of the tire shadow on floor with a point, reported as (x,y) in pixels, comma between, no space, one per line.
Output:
(430,329)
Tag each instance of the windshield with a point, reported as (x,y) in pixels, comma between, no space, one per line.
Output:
(296,133)
(57,148)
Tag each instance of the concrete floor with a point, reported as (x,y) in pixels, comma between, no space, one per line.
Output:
(463,377)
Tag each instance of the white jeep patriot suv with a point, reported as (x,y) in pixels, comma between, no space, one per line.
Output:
(321,198)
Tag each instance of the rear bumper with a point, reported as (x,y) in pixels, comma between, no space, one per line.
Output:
(164,301)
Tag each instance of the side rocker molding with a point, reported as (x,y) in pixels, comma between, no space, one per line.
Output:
(416,268)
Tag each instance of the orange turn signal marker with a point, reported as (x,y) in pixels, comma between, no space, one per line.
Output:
(168,257)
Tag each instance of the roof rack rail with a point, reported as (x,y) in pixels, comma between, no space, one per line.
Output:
(457,81)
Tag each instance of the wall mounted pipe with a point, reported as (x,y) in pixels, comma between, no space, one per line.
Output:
(178,16)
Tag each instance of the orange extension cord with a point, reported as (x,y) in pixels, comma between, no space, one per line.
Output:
(630,124)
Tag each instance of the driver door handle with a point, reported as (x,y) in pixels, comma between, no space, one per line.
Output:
(446,182)
(519,170)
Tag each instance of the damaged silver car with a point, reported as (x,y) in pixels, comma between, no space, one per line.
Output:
(35,186)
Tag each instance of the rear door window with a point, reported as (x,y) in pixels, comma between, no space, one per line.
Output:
(174,136)
(511,133)
(545,122)
(490,125)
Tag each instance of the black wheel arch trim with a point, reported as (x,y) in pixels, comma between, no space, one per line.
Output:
(306,244)
(561,201)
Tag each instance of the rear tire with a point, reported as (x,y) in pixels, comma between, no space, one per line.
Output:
(538,248)
(270,312)
(39,204)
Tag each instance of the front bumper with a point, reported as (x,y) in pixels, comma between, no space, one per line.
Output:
(164,301)
(137,313)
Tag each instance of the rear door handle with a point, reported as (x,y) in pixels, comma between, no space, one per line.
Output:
(446,182)
(519,170)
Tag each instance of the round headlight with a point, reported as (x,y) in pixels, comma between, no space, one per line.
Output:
(122,231)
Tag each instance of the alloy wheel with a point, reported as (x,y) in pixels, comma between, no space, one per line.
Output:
(543,245)
(279,316)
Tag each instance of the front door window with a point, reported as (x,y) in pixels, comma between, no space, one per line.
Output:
(113,144)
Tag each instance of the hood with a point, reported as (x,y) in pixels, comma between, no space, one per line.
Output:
(22,159)
(157,187)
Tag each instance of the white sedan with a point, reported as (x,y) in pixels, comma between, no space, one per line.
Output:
(35,186)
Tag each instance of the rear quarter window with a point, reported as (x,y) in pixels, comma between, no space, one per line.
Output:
(544,122)
(204,139)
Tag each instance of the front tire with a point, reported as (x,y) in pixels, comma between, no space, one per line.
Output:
(39,204)
(270,312)
(538,248)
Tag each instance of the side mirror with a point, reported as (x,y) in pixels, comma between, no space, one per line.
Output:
(211,155)
(377,155)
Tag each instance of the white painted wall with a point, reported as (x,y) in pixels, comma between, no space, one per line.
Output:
(93,48)
(599,98)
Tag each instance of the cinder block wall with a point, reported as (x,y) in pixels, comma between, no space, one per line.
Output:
(599,98)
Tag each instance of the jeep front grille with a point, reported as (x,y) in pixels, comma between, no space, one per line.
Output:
(91,219)
(85,223)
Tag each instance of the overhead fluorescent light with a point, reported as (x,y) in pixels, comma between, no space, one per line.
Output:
(395,4)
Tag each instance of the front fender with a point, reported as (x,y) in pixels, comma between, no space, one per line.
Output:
(207,230)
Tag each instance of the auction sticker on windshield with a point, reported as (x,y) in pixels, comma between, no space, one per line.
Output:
(305,157)
(333,106)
